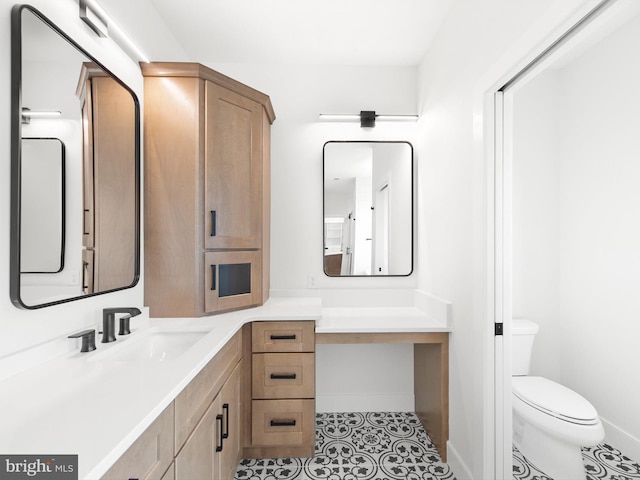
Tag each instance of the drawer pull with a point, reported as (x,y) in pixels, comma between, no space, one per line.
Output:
(213,277)
(221,437)
(225,409)
(282,337)
(283,376)
(283,423)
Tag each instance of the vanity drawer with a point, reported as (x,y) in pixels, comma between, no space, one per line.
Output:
(283,336)
(283,422)
(283,375)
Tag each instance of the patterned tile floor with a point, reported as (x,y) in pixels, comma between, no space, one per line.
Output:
(600,463)
(362,446)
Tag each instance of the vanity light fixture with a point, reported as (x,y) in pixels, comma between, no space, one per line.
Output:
(100,22)
(367,118)
(94,17)
(28,114)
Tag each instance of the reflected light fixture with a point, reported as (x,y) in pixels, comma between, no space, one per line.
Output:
(367,118)
(28,114)
(94,17)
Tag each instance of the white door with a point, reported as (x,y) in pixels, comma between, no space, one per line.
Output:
(381,231)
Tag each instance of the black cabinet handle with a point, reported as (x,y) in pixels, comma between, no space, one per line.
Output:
(225,410)
(85,229)
(282,337)
(221,438)
(283,376)
(214,219)
(213,277)
(283,423)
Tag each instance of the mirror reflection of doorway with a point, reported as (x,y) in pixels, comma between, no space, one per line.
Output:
(381,229)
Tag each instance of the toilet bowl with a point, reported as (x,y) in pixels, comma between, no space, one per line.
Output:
(551,423)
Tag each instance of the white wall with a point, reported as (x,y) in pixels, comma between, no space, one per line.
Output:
(479,45)
(582,280)
(47,328)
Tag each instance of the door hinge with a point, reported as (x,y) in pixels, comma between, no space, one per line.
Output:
(498,328)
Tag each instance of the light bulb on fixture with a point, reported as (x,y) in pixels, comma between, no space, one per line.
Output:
(92,13)
(28,114)
(367,118)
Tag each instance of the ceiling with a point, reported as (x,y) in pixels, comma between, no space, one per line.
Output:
(318,32)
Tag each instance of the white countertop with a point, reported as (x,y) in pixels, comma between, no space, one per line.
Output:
(96,405)
(377,320)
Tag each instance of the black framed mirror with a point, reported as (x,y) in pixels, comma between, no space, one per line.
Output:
(59,91)
(368,208)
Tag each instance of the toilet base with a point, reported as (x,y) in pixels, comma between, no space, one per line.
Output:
(557,459)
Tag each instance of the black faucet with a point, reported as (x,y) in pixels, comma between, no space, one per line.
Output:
(109,322)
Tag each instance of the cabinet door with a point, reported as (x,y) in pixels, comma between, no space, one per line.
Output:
(87,166)
(231,405)
(233,170)
(114,184)
(212,452)
(194,400)
(232,280)
(198,458)
(150,455)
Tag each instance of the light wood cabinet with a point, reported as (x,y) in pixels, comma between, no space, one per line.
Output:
(109,181)
(194,400)
(283,423)
(212,451)
(283,336)
(151,454)
(283,375)
(233,166)
(232,279)
(207,191)
(232,408)
(254,399)
(283,390)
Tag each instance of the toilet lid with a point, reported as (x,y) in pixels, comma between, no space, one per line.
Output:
(554,399)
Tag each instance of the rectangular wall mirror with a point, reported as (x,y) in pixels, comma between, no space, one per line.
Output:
(75,138)
(368,208)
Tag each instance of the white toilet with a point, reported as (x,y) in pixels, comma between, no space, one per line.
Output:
(550,422)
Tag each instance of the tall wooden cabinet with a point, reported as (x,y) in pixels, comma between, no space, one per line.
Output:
(109,181)
(207,191)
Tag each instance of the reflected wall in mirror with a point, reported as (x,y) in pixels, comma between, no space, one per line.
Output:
(42,205)
(61,92)
(368,208)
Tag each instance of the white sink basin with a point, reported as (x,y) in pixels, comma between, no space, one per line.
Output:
(156,344)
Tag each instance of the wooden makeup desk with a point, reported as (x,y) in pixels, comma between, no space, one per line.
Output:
(431,355)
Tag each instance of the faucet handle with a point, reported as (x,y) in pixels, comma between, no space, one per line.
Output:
(124,325)
(88,340)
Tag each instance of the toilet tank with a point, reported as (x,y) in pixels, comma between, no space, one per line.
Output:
(523,333)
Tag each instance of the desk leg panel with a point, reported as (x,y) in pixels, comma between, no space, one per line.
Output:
(431,388)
